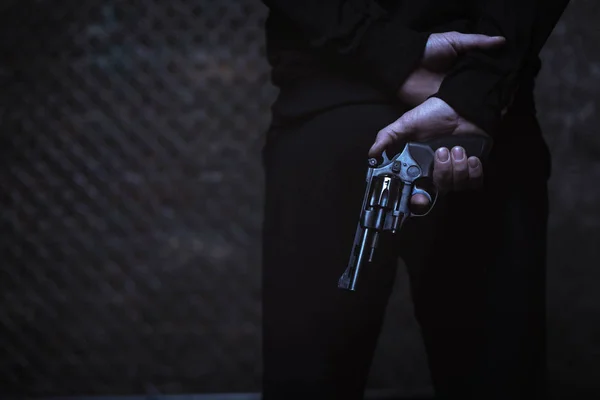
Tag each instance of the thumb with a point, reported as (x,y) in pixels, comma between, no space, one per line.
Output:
(463,42)
(394,132)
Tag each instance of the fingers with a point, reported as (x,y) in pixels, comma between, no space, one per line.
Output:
(460,170)
(442,170)
(442,49)
(419,203)
(454,171)
(384,138)
(475,172)
(463,42)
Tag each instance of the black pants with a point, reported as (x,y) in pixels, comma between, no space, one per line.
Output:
(476,265)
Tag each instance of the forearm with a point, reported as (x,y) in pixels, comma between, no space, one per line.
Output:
(362,34)
(482,83)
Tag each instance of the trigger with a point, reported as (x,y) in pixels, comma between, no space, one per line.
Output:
(416,190)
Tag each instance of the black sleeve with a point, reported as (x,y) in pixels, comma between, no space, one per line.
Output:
(481,83)
(361,32)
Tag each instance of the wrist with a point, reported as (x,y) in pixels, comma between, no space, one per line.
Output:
(420,85)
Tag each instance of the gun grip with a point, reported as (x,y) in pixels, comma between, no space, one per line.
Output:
(424,152)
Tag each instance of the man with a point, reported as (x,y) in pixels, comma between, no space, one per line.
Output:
(356,77)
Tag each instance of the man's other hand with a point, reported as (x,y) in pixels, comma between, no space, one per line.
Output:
(441,52)
(453,169)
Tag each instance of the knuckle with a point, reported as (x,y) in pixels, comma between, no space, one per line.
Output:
(455,37)
(382,132)
(385,131)
(442,168)
(460,166)
(388,133)
(393,132)
(475,172)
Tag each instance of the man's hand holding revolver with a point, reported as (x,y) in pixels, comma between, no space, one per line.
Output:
(392,183)
(432,117)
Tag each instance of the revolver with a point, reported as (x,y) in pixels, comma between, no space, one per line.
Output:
(390,184)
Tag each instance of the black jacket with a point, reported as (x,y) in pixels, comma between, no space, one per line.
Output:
(325,53)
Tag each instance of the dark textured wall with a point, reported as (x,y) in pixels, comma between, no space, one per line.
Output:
(569,106)
(131,191)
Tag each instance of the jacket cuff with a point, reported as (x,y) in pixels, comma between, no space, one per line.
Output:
(390,53)
(477,95)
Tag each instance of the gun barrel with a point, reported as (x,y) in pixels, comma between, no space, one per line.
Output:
(373,246)
(357,259)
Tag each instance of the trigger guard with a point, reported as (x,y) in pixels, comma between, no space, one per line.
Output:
(425,193)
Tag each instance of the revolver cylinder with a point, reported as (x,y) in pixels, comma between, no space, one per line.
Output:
(384,199)
(390,185)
